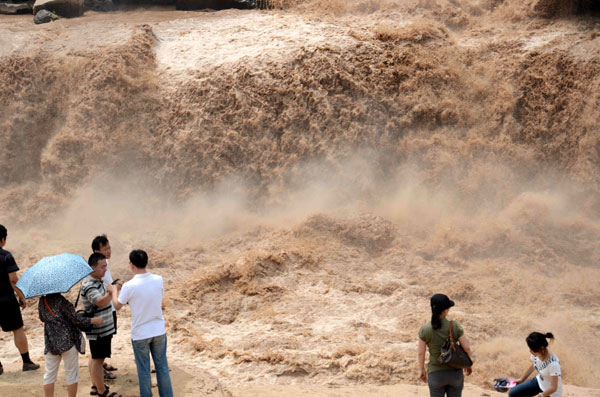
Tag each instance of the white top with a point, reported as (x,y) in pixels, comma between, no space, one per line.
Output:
(546,369)
(107,279)
(107,276)
(144,293)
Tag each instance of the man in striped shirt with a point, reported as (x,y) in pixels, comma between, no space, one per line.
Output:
(101,245)
(96,300)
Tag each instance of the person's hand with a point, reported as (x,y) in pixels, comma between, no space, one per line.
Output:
(518,381)
(22,303)
(468,371)
(111,289)
(423,375)
(97,320)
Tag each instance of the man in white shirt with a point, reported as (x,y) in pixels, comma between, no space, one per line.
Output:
(144,293)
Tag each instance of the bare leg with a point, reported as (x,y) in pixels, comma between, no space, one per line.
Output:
(21,340)
(49,390)
(72,390)
(97,373)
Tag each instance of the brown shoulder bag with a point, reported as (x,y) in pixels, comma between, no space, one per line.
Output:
(453,354)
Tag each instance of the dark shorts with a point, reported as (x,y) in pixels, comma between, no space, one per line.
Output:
(115,320)
(100,348)
(10,319)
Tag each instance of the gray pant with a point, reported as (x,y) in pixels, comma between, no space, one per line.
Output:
(446,383)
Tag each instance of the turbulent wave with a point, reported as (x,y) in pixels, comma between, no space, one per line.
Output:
(74,117)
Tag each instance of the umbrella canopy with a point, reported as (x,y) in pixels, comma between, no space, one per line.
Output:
(53,274)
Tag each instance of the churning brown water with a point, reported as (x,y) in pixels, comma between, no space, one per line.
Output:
(306,178)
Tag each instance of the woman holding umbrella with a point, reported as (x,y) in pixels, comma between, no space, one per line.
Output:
(48,278)
(62,340)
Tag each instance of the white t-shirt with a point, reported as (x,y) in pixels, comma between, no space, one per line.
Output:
(546,369)
(144,293)
(107,279)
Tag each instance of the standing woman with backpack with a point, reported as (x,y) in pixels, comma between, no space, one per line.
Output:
(442,379)
(548,382)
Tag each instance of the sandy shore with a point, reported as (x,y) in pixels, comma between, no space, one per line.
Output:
(192,382)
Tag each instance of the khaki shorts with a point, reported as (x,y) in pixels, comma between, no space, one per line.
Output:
(71,359)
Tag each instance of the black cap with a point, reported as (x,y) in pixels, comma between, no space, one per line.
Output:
(440,302)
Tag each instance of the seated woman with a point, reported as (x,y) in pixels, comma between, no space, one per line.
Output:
(62,340)
(548,382)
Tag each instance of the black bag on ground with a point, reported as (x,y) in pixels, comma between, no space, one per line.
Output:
(453,354)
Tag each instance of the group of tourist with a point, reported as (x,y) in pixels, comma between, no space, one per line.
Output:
(101,297)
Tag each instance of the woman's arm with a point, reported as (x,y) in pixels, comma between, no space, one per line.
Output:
(466,345)
(77,319)
(68,311)
(527,373)
(421,355)
(553,387)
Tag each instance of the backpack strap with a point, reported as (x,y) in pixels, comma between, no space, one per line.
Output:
(78,295)
(48,306)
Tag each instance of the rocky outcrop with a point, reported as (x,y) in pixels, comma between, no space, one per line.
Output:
(64,8)
(15,8)
(557,8)
(99,5)
(44,16)
(214,4)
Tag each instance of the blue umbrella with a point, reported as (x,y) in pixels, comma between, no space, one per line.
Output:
(53,274)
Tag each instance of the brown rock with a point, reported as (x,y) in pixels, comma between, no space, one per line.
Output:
(558,8)
(213,4)
(15,8)
(64,8)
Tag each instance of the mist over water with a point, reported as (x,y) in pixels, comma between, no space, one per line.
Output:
(303,203)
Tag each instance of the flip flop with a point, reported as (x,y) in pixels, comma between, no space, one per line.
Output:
(109,367)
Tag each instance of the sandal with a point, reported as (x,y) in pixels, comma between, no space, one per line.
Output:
(109,375)
(109,367)
(108,394)
(94,390)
